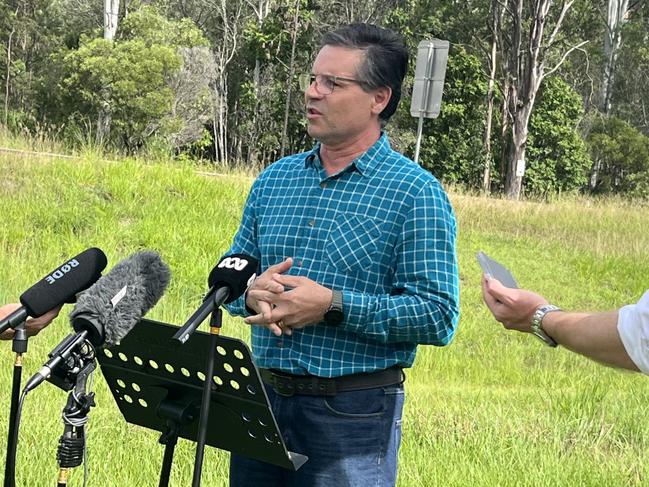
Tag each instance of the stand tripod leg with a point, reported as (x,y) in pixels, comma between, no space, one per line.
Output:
(165,471)
(176,415)
(10,466)
(169,439)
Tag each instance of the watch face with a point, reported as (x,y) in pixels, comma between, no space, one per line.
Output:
(334,317)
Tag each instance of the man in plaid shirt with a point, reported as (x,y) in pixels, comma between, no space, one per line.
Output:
(357,248)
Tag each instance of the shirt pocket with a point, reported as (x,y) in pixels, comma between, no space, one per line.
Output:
(352,243)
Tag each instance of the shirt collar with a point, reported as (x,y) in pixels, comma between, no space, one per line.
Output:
(365,164)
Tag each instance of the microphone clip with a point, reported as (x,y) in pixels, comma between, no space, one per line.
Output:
(70,452)
(212,302)
(73,372)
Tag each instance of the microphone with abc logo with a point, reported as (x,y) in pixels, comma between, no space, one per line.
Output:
(228,280)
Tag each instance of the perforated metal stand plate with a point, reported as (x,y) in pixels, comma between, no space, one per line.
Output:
(147,368)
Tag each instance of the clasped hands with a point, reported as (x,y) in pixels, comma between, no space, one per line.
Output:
(285,303)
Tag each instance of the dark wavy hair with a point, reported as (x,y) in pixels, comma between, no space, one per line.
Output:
(386,58)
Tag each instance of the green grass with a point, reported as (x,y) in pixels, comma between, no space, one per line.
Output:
(494,408)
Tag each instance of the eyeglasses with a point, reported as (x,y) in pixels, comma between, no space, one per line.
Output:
(324,83)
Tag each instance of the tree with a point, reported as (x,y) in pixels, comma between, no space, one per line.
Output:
(451,146)
(615,19)
(527,51)
(558,157)
(111,17)
(270,113)
(111,14)
(495,19)
(290,76)
(622,153)
(8,74)
(630,97)
(29,31)
(348,11)
(261,11)
(134,76)
(191,108)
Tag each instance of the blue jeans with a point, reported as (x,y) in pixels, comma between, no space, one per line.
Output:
(352,440)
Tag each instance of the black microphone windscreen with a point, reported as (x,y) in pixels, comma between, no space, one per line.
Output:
(111,308)
(234,271)
(63,283)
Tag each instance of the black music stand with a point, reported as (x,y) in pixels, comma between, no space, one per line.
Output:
(158,384)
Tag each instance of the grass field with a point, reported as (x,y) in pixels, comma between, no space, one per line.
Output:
(494,408)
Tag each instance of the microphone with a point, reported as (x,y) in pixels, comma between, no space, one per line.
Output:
(58,287)
(227,281)
(108,310)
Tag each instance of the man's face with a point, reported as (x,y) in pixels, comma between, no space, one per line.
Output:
(348,111)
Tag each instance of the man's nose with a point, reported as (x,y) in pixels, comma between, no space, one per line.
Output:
(312,92)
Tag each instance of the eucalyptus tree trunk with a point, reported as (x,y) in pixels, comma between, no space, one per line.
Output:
(111,13)
(8,78)
(367,11)
(486,142)
(111,17)
(221,118)
(615,19)
(504,130)
(289,79)
(525,53)
(261,10)
(223,54)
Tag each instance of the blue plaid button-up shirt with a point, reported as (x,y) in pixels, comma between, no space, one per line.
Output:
(383,232)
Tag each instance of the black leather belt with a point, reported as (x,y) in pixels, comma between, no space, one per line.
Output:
(286,384)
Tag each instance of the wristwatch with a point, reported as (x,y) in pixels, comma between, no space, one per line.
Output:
(334,315)
(537,320)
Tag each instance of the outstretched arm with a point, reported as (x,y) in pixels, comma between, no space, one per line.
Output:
(594,335)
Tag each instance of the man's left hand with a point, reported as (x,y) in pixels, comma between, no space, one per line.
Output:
(305,303)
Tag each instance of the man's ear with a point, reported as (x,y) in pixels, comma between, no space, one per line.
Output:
(381,99)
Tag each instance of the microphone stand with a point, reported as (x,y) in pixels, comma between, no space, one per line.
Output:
(211,305)
(72,443)
(216,321)
(19,346)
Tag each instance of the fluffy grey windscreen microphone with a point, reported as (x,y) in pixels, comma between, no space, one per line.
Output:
(111,307)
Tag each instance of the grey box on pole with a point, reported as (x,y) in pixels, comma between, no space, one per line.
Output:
(430,70)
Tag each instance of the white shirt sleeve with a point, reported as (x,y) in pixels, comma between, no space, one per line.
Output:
(633,326)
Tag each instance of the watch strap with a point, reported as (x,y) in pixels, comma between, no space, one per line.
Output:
(336,300)
(537,321)
(334,315)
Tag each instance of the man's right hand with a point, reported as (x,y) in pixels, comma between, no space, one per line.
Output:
(512,307)
(260,293)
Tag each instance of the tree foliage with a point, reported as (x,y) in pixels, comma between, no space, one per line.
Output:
(134,78)
(452,143)
(214,78)
(623,156)
(557,156)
